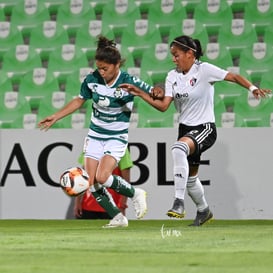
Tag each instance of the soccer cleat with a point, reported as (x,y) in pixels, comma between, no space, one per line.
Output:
(139,202)
(177,211)
(202,217)
(118,221)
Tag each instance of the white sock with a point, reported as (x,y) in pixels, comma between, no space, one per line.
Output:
(108,183)
(180,151)
(196,192)
(97,186)
(92,188)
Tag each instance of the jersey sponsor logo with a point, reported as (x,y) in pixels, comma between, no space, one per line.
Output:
(181,96)
(103,117)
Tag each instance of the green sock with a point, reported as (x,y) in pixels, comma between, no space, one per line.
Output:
(105,202)
(123,187)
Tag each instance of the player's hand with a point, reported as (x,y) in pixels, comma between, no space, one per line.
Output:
(47,122)
(77,207)
(157,93)
(261,92)
(78,213)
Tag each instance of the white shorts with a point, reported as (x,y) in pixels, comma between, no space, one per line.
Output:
(96,149)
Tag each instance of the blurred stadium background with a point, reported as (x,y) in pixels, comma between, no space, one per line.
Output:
(47,48)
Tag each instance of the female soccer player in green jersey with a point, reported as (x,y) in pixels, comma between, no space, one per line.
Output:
(107,137)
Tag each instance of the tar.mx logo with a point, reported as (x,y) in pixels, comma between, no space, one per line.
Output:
(165,233)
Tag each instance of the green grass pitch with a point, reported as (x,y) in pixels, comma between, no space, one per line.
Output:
(146,246)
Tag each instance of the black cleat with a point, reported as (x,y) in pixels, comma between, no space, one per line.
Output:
(202,217)
(177,211)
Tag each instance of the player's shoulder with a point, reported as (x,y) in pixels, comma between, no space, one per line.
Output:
(205,65)
(93,77)
(125,76)
(172,74)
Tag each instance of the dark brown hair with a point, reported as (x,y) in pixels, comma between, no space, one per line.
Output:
(107,51)
(186,43)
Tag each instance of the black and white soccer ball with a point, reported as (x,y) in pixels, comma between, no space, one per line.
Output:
(74,181)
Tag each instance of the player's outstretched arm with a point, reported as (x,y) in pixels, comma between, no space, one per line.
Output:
(47,122)
(158,100)
(69,108)
(256,91)
(78,206)
(156,92)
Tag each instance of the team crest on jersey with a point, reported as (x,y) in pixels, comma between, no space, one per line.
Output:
(118,93)
(193,81)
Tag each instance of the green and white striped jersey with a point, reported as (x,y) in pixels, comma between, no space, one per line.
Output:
(111,105)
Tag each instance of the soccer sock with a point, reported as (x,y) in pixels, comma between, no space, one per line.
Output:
(180,151)
(119,185)
(196,192)
(103,198)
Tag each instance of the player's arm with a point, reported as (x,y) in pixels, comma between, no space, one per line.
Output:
(69,108)
(256,91)
(78,206)
(161,104)
(155,92)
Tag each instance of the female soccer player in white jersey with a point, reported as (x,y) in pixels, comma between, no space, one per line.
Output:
(108,132)
(190,86)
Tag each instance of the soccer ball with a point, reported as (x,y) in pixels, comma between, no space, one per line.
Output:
(74,181)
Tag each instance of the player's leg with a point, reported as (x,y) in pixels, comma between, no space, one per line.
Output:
(180,152)
(104,198)
(137,195)
(205,137)
(196,192)
(93,151)
(118,183)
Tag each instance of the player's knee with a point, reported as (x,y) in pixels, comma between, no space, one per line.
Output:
(180,148)
(102,177)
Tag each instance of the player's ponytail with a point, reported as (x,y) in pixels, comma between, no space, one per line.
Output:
(107,51)
(104,43)
(199,51)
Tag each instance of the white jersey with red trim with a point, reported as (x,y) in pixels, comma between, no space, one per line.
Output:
(193,92)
